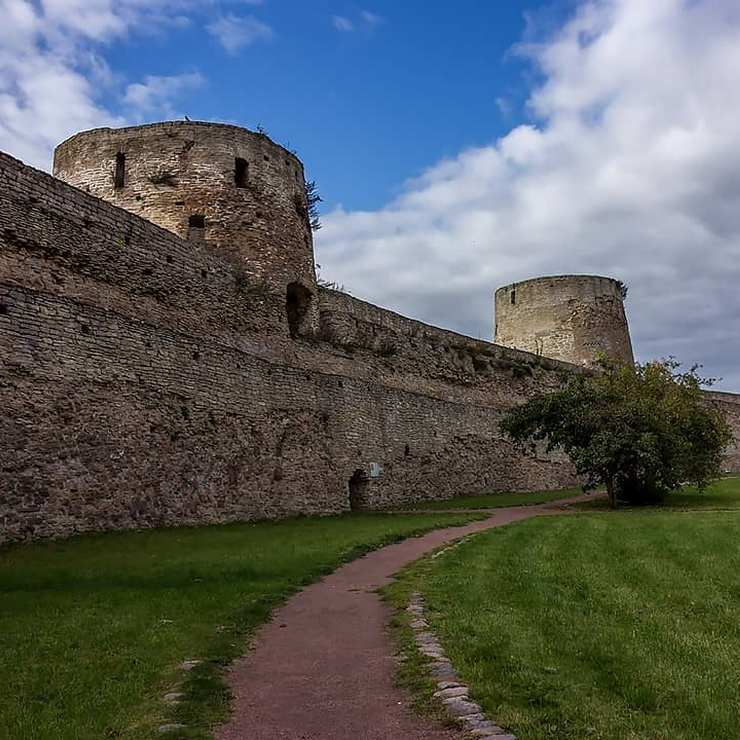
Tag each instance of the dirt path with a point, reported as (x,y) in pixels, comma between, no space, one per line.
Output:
(323,668)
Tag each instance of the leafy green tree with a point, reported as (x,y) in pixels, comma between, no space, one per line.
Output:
(639,430)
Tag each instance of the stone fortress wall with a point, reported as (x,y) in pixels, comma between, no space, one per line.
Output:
(729,404)
(567,317)
(234,189)
(153,380)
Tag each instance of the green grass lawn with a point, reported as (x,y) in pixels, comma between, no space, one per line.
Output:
(497,500)
(92,629)
(622,626)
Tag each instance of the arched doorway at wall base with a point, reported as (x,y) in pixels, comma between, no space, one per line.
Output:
(357,488)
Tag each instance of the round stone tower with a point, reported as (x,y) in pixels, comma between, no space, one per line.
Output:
(235,190)
(574,318)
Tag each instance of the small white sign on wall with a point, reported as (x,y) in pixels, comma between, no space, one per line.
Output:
(376,471)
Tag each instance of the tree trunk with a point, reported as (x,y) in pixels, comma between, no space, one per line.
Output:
(611,493)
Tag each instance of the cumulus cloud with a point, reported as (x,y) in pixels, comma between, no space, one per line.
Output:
(630,167)
(156,94)
(43,97)
(235,32)
(51,68)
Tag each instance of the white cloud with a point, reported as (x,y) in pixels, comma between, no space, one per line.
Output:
(43,97)
(156,93)
(51,72)
(505,106)
(631,169)
(365,20)
(235,32)
(371,19)
(342,24)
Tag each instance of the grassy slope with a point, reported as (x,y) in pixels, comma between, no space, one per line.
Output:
(497,500)
(613,627)
(92,629)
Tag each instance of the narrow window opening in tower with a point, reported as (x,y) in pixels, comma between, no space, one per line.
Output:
(297,304)
(119,177)
(241,172)
(513,298)
(197,227)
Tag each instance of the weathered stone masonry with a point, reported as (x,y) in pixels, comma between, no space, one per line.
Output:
(568,317)
(149,380)
(729,404)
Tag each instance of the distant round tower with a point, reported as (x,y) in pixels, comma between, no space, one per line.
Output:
(234,189)
(573,318)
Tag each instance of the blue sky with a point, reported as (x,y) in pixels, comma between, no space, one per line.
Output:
(459,147)
(368,94)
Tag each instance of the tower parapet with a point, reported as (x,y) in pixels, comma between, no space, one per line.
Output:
(234,189)
(574,318)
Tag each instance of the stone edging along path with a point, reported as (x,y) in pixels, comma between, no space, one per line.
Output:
(323,668)
(451,693)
